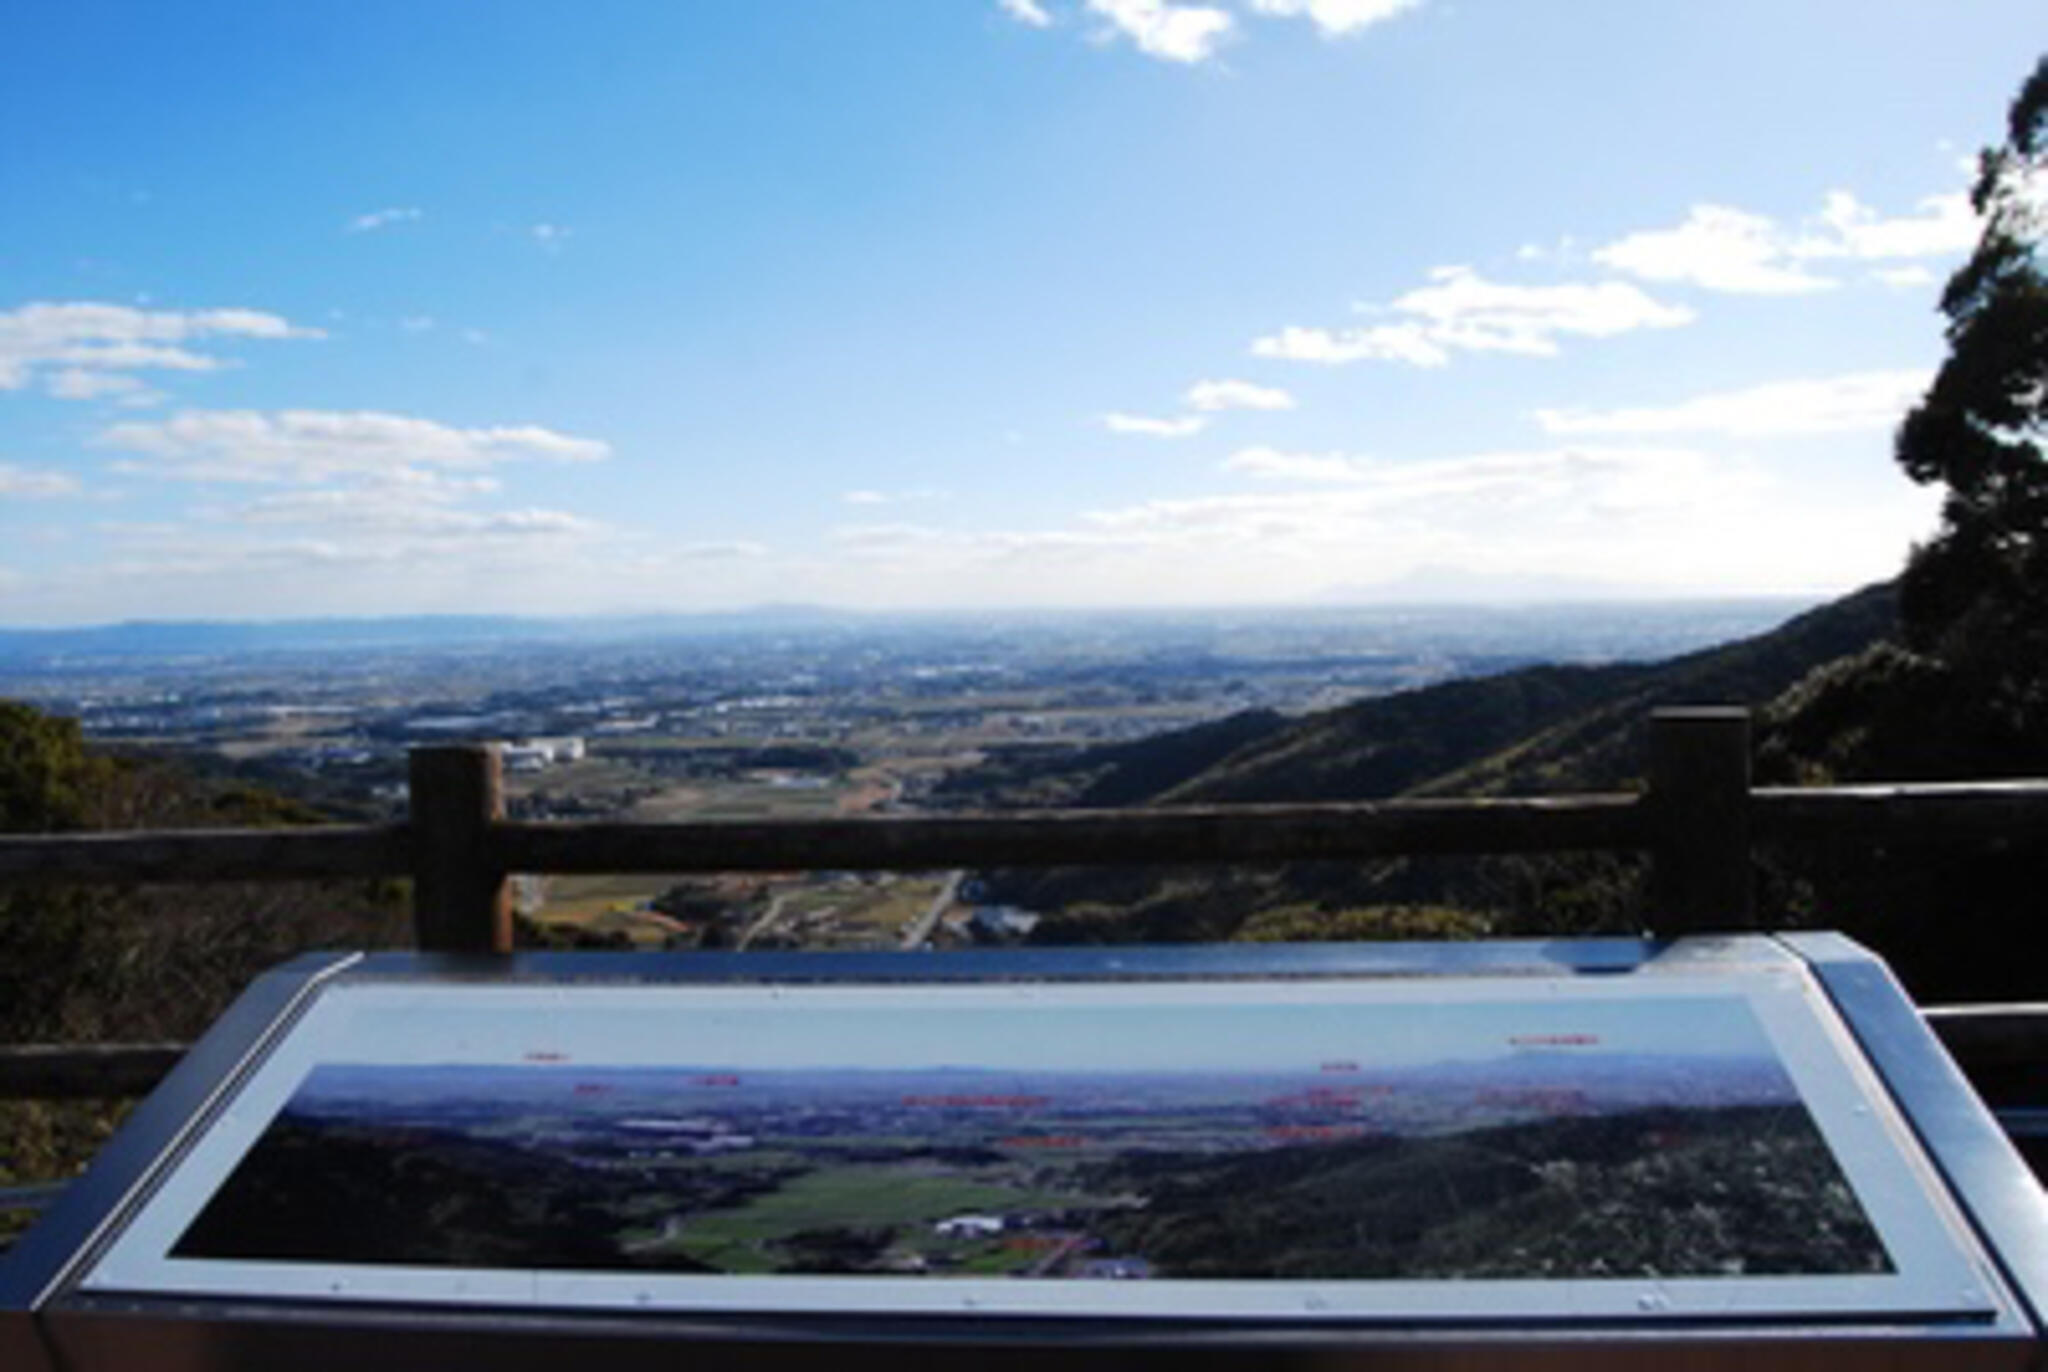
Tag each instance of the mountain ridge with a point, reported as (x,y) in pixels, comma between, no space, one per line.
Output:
(1534,730)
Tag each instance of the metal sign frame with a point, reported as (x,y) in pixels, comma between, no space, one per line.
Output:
(91,1285)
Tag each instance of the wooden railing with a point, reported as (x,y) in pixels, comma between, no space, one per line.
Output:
(1698,819)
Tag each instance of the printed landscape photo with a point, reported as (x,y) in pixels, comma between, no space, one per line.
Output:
(1551,1154)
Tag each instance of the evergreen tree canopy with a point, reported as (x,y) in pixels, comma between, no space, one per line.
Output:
(1977,593)
(47,775)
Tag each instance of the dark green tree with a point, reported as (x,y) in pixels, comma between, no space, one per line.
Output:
(47,775)
(1976,595)
(49,781)
(87,962)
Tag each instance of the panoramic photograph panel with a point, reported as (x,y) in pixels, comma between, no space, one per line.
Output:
(1471,1149)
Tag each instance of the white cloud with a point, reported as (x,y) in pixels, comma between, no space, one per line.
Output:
(1337,17)
(319,445)
(396,509)
(1945,225)
(434,544)
(1184,426)
(423,540)
(82,383)
(393,498)
(518,523)
(361,510)
(1723,249)
(407,541)
(1273,464)
(382,219)
(82,349)
(1193,33)
(1717,248)
(411,509)
(1172,33)
(1237,395)
(35,482)
(719,550)
(1643,519)
(883,542)
(1904,278)
(1856,401)
(904,547)
(1026,12)
(1500,492)
(526,560)
(1381,343)
(1461,311)
(1552,496)
(549,236)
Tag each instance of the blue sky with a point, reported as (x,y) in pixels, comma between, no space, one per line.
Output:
(371,308)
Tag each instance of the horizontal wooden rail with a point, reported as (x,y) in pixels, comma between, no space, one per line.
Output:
(1246,833)
(1336,831)
(1243,833)
(206,855)
(1039,838)
(1922,812)
(1698,819)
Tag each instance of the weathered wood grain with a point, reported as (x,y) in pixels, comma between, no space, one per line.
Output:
(460,900)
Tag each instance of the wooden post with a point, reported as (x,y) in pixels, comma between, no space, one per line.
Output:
(1699,809)
(460,900)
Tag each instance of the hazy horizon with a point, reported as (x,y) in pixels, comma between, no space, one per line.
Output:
(769,612)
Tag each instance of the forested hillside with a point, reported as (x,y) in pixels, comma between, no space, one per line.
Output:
(1836,699)
(1539,729)
(139,964)
(1536,729)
